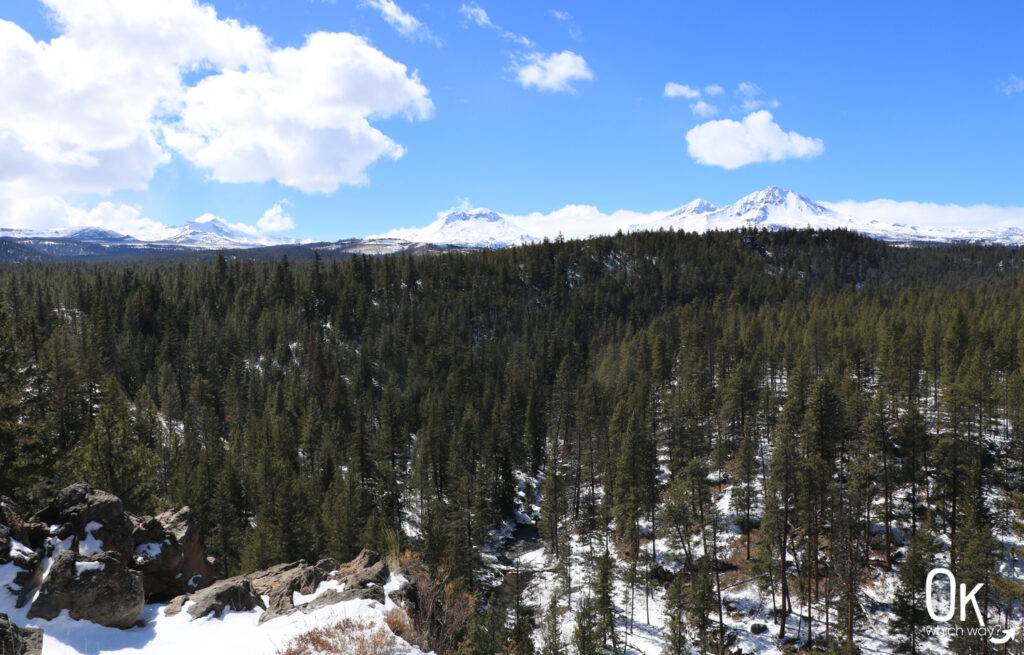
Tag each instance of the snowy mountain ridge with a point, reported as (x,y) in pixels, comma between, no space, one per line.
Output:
(203,233)
(773,208)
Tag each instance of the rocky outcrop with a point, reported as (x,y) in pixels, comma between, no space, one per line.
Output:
(168,550)
(19,641)
(13,537)
(281,582)
(234,593)
(94,519)
(97,588)
(363,577)
(170,553)
(333,597)
(366,569)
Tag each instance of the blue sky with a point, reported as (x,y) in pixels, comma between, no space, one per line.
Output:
(909,101)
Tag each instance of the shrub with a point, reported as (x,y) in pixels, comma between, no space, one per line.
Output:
(347,637)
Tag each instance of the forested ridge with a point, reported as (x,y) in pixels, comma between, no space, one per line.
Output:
(862,403)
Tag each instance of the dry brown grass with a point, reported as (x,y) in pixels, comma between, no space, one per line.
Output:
(347,637)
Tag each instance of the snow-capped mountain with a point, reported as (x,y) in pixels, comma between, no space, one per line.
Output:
(771,209)
(210,232)
(477,228)
(206,232)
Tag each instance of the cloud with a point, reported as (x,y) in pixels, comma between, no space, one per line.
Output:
(404,23)
(1013,85)
(674,90)
(474,13)
(565,19)
(94,109)
(713,90)
(703,109)
(552,72)
(303,120)
(275,220)
(930,214)
(757,138)
(752,100)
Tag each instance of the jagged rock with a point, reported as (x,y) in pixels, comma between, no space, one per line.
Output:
(299,577)
(365,569)
(97,588)
(280,583)
(758,628)
(236,593)
(89,514)
(328,565)
(15,640)
(266,581)
(333,596)
(170,552)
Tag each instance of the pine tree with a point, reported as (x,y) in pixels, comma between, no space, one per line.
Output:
(911,617)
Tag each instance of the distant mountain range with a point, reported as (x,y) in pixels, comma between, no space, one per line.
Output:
(211,233)
(770,209)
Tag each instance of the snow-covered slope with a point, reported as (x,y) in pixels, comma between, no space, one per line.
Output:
(478,228)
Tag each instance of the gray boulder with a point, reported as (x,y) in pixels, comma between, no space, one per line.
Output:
(79,507)
(15,640)
(333,596)
(97,588)
(170,552)
(367,568)
(360,578)
(234,593)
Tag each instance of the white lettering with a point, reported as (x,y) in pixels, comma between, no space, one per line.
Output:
(929,597)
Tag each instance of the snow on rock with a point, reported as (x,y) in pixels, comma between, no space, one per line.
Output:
(82,567)
(91,545)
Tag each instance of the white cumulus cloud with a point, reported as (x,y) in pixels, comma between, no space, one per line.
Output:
(675,90)
(89,110)
(931,214)
(275,220)
(552,72)
(714,90)
(757,138)
(404,23)
(303,120)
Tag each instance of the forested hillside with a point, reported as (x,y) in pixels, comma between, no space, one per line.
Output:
(850,412)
